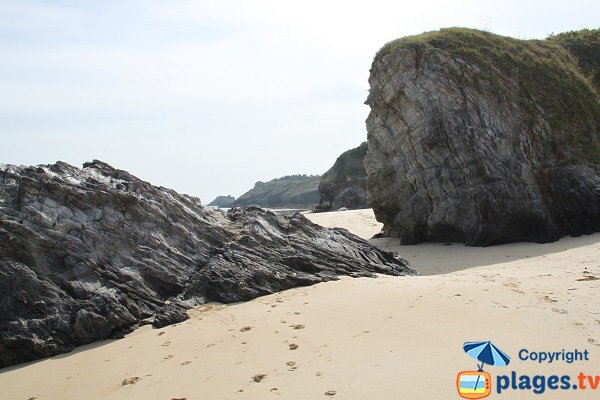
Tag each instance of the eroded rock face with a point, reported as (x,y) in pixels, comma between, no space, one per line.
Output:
(90,253)
(345,184)
(458,152)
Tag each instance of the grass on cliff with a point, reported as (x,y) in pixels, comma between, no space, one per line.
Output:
(550,80)
(555,77)
(585,46)
(348,165)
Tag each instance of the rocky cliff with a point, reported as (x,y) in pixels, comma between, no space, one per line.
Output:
(345,184)
(87,254)
(482,139)
(222,201)
(293,191)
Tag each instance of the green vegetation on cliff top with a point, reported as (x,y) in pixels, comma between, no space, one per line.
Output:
(348,165)
(293,191)
(555,77)
(585,46)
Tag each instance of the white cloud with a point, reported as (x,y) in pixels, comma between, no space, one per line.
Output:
(228,91)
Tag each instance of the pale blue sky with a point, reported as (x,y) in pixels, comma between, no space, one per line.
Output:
(208,97)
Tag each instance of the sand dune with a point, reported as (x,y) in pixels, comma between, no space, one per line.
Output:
(382,338)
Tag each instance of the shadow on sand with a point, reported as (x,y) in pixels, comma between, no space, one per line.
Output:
(441,258)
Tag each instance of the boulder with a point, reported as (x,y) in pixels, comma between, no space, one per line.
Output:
(88,254)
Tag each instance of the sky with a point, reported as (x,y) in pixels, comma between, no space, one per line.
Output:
(208,97)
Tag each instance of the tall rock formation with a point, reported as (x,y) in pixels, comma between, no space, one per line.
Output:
(482,139)
(87,254)
(345,184)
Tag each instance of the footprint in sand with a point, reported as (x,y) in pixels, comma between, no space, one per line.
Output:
(130,381)
(293,346)
(588,278)
(593,342)
(166,344)
(330,393)
(185,363)
(297,326)
(559,311)
(259,377)
(549,299)
(168,357)
(514,287)
(161,333)
(245,329)
(292,365)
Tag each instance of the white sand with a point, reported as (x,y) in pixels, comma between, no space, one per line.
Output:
(360,222)
(384,338)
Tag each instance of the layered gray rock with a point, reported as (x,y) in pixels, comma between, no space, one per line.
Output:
(87,254)
(482,139)
(345,184)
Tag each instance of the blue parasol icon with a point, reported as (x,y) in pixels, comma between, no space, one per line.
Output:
(487,353)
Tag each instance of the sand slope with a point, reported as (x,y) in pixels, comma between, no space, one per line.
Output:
(383,338)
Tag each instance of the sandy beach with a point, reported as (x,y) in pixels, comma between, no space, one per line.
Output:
(366,338)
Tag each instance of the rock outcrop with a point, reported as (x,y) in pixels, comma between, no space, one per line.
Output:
(88,254)
(482,139)
(345,184)
(222,201)
(293,191)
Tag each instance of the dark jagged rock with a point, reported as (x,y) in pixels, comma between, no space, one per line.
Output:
(222,201)
(87,254)
(345,184)
(169,314)
(292,191)
(482,139)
